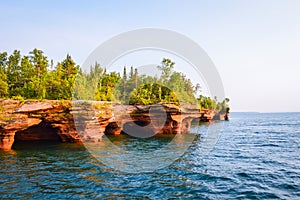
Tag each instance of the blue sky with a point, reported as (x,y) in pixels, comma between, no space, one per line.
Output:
(255,45)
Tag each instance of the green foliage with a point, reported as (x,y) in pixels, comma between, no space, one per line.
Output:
(18,97)
(3,85)
(213,104)
(66,72)
(3,77)
(182,87)
(39,73)
(166,69)
(148,94)
(106,84)
(169,87)
(13,74)
(31,77)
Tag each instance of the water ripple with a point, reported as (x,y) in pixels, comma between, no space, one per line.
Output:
(257,157)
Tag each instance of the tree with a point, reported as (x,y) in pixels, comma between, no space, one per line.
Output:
(136,77)
(3,61)
(124,82)
(131,72)
(128,83)
(3,84)
(181,87)
(83,89)
(3,81)
(27,78)
(14,73)
(197,89)
(166,68)
(66,71)
(39,61)
(147,94)
(109,82)
(40,64)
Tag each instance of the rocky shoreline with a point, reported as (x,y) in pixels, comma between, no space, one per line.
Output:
(67,121)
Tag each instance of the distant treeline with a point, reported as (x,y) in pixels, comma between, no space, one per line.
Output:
(34,77)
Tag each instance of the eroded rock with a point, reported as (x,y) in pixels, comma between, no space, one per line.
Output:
(81,121)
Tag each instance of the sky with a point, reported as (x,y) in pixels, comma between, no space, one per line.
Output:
(255,45)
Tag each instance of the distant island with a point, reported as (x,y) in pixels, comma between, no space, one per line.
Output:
(37,96)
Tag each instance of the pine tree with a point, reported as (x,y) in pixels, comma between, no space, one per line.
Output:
(66,71)
(40,64)
(27,74)
(13,74)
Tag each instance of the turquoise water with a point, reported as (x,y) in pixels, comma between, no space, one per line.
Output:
(256,157)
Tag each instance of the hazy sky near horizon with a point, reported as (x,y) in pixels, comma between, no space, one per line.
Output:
(255,45)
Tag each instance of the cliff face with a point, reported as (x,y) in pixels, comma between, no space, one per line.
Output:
(66,122)
(32,120)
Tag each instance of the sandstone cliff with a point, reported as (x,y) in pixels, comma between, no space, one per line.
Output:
(79,121)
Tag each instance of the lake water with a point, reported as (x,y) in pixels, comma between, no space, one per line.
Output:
(257,156)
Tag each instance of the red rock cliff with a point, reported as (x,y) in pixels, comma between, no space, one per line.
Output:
(67,121)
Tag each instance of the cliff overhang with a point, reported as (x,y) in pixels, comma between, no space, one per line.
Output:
(81,121)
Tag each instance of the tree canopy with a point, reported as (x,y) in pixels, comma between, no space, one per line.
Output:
(32,77)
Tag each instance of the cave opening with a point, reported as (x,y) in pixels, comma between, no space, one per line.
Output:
(112,129)
(138,129)
(41,133)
